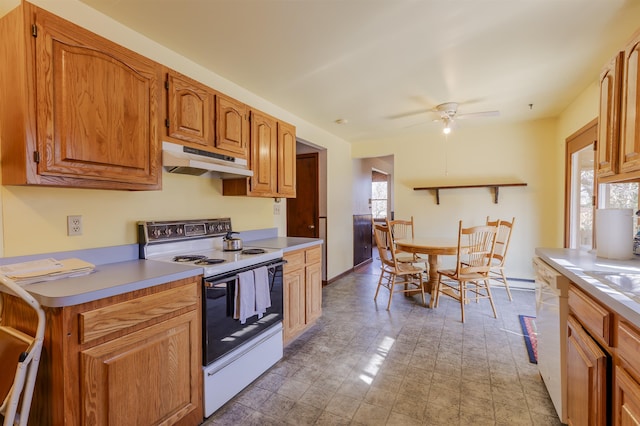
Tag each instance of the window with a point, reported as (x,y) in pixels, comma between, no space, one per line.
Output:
(379,195)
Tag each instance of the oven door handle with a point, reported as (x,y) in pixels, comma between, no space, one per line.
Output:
(213,283)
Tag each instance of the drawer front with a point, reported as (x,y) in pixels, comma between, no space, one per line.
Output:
(313,255)
(629,345)
(103,321)
(595,318)
(295,260)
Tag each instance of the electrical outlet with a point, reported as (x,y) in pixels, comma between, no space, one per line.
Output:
(276,209)
(74,225)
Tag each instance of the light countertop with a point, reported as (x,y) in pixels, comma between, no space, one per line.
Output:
(118,271)
(579,266)
(285,243)
(109,280)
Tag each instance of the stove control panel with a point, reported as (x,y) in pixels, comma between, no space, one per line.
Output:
(167,231)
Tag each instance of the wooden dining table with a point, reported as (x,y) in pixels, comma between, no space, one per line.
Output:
(432,247)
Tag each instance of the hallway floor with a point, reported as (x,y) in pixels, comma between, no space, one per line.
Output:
(363,365)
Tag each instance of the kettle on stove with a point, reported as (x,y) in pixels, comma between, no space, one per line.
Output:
(230,243)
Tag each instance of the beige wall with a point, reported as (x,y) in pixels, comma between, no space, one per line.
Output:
(490,153)
(34,219)
(530,152)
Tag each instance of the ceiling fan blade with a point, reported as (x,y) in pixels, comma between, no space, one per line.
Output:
(408,114)
(479,114)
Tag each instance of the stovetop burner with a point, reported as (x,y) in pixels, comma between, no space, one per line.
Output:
(253,251)
(188,257)
(208,261)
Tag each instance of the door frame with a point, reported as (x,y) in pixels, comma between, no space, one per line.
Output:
(585,136)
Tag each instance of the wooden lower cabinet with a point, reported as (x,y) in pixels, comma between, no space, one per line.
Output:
(302,290)
(627,399)
(586,378)
(134,358)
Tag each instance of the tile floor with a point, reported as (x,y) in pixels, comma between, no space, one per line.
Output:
(363,365)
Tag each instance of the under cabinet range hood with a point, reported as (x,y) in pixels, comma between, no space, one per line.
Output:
(190,161)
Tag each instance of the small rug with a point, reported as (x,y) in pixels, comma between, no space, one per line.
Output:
(530,335)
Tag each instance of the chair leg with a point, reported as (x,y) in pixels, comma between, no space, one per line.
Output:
(486,283)
(463,297)
(392,283)
(506,284)
(379,284)
(436,292)
(420,283)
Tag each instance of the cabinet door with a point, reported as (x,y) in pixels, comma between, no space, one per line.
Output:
(97,107)
(190,109)
(264,145)
(609,116)
(313,292)
(586,378)
(630,130)
(231,126)
(627,399)
(286,160)
(147,377)
(294,303)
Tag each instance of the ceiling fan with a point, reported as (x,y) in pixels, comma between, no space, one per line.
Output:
(448,112)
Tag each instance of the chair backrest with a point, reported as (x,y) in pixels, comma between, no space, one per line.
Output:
(502,239)
(475,248)
(382,237)
(401,229)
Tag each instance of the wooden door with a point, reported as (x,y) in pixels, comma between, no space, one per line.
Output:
(627,399)
(303,211)
(98,103)
(286,160)
(264,146)
(586,378)
(231,126)
(630,128)
(143,378)
(609,118)
(190,110)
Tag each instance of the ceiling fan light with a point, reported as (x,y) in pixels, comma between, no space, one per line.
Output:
(446,130)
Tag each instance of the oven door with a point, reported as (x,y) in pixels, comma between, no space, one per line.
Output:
(221,333)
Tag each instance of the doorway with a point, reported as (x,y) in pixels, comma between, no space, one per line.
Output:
(303,212)
(580,188)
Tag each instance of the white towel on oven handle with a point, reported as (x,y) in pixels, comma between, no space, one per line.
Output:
(245,305)
(263,296)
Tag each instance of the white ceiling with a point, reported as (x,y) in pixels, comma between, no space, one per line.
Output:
(373,62)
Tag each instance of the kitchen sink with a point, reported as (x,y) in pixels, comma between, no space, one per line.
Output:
(624,282)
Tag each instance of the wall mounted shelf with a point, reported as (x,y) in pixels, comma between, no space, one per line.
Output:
(494,186)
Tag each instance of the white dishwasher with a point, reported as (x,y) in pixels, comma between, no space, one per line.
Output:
(552,309)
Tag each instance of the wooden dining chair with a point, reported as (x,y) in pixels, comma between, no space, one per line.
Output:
(402,229)
(500,253)
(395,276)
(473,265)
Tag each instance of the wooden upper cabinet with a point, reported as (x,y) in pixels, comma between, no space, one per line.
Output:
(286,160)
(264,154)
(630,129)
(232,133)
(84,110)
(272,159)
(202,118)
(608,124)
(190,109)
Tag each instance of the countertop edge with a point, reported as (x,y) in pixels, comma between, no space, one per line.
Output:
(286,244)
(130,274)
(575,263)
